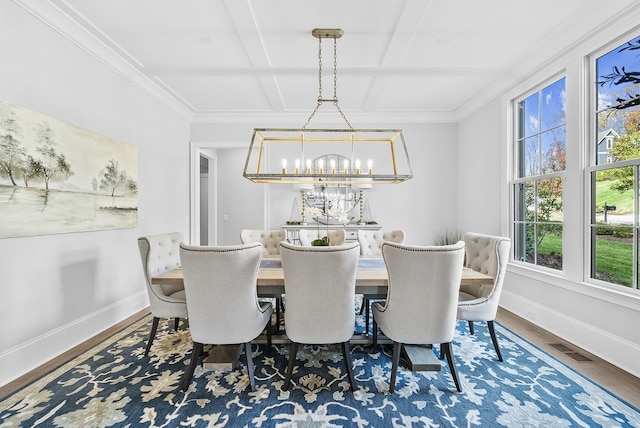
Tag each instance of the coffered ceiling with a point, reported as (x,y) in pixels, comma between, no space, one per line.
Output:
(415,60)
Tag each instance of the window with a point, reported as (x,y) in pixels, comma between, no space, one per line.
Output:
(537,188)
(614,179)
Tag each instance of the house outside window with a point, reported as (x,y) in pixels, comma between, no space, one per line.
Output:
(614,173)
(539,173)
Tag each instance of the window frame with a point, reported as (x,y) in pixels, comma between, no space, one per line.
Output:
(515,180)
(592,166)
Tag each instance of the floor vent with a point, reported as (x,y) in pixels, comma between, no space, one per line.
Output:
(569,352)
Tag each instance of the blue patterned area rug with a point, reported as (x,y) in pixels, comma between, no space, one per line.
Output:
(114,385)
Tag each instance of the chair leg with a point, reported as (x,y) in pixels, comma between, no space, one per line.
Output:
(152,335)
(394,365)
(365,302)
(446,349)
(494,339)
(278,299)
(375,335)
(346,355)
(293,350)
(176,322)
(269,328)
(470,327)
(247,350)
(366,316)
(195,356)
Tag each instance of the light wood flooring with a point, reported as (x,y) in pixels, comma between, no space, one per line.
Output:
(621,383)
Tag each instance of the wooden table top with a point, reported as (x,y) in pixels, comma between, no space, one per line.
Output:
(371,277)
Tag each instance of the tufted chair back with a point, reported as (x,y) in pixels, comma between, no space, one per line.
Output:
(270,239)
(489,255)
(159,254)
(336,237)
(371,240)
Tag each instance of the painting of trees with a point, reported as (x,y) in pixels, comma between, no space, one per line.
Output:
(11,153)
(56,177)
(49,164)
(113,179)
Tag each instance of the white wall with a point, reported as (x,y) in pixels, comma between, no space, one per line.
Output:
(241,203)
(59,290)
(599,318)
(480,172)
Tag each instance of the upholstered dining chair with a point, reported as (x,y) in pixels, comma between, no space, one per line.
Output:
(371,246)
(489,255)
(221,290)
(422,300)
(270,240)
(307,236)
(371,240)
(159,254)
(319,283)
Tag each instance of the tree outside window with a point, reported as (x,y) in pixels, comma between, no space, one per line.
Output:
(541,149)
(614,231)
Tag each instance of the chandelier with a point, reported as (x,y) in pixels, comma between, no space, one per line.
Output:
(312,156)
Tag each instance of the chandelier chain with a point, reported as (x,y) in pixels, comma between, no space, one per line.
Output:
(335,84)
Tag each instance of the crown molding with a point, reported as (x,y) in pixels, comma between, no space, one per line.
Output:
(63,19)
(357,119)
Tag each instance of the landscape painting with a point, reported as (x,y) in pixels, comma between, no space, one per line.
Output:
(58,178)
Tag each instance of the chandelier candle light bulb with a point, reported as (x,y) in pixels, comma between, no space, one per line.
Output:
(346,166)
(333,166)
(308,166)
(320,165)
(297,170)
(357,166)
(284,166)
(370,166)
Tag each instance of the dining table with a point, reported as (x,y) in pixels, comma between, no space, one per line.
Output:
(371,278)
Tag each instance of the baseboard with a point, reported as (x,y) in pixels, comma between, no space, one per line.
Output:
(603,344)
(23,358)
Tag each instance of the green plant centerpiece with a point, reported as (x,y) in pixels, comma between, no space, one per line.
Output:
(331,212)
(321,242)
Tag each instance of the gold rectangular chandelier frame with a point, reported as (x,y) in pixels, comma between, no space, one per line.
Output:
(371,155)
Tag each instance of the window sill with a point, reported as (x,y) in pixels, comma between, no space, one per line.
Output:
(618,295)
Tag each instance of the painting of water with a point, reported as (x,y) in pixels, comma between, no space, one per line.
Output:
(58,178)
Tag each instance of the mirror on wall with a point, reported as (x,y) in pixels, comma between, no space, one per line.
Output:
(332,202)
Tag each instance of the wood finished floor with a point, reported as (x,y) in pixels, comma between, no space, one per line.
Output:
(621,383)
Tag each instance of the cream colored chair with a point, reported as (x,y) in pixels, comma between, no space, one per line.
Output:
(489,255)
(371,240)
(307,236)
(422,299)
(270,240)
(159,254)
(320,285)
(221,290)
(371,246)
